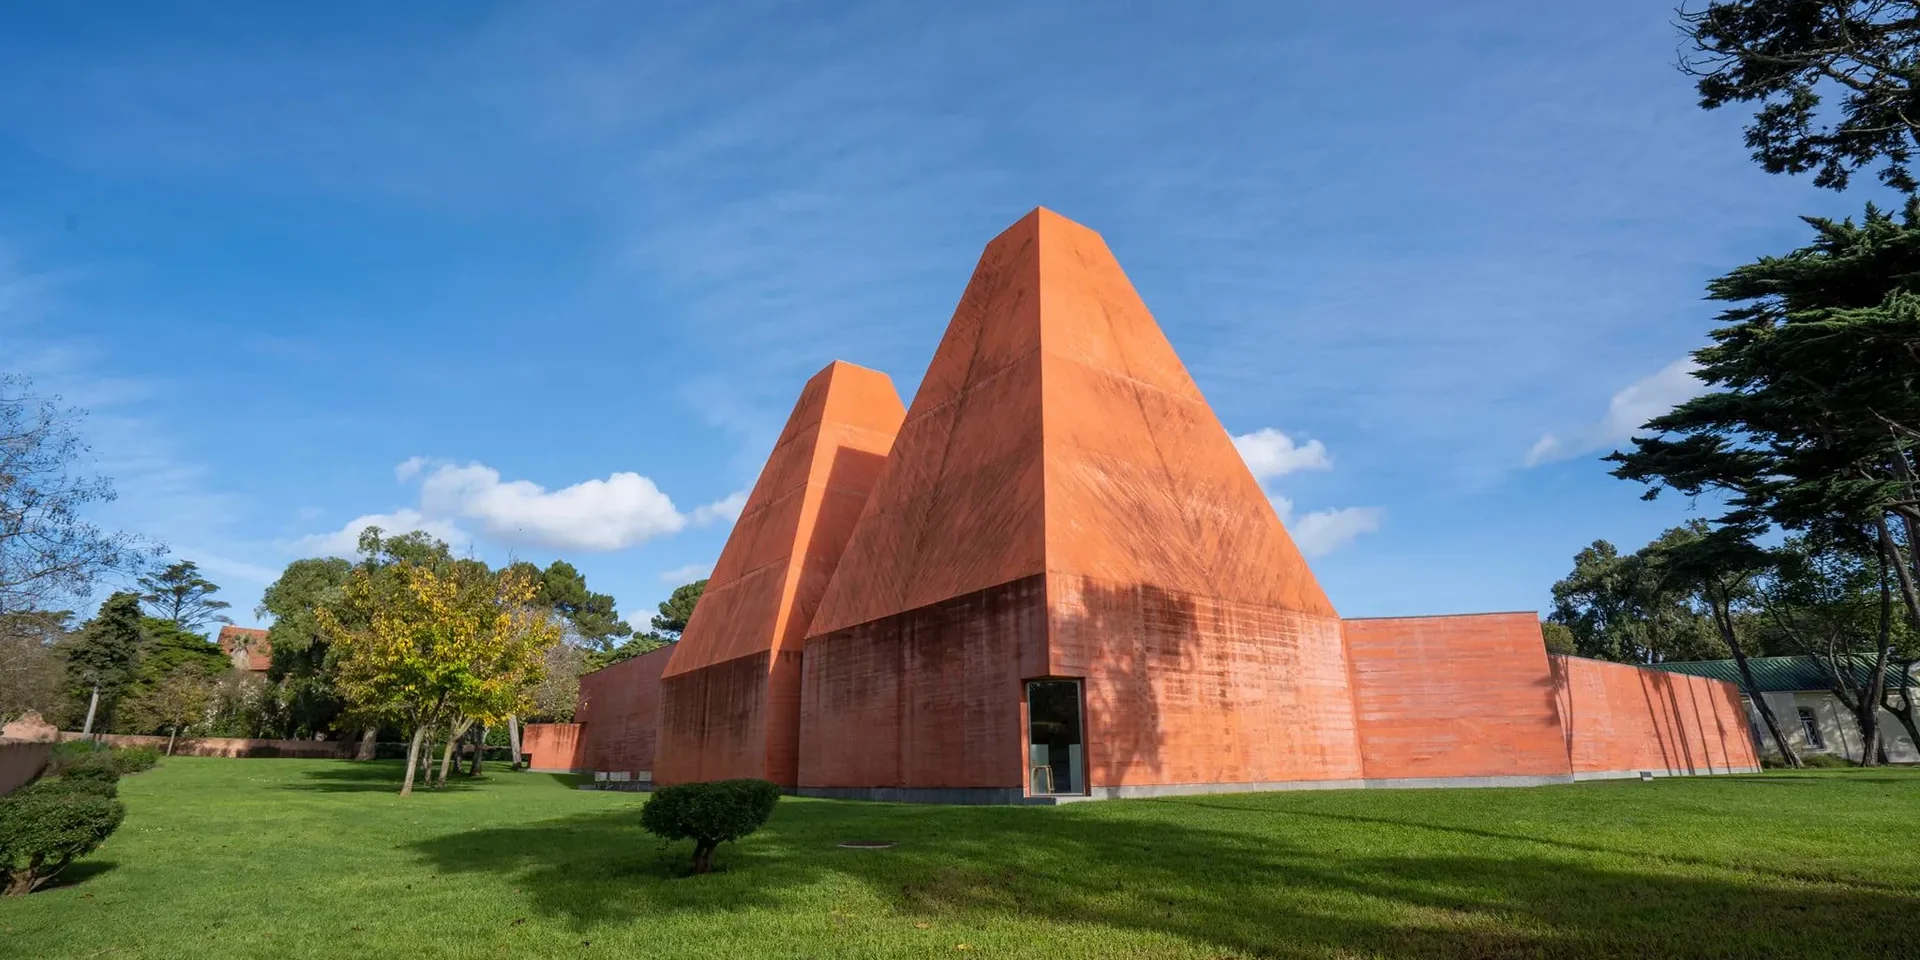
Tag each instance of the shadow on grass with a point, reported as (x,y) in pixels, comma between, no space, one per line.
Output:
(79,873)
(1671,856)
(372,776)
(1243,891)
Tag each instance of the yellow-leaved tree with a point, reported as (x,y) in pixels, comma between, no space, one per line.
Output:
(430,648)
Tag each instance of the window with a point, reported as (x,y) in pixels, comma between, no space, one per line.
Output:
(1055,754)
(1812,729)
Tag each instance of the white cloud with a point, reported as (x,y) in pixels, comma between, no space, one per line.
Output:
(409,468)
(1270,453)
(1325,531)
(724,509)
(686,574)
(345,541)
(1627,411)
(621,511)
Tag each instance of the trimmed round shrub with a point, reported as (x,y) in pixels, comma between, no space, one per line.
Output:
(709,814)
(99,766)
(136,759)
(87,785)
(42,831)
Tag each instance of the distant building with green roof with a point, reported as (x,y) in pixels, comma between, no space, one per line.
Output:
(1800,691)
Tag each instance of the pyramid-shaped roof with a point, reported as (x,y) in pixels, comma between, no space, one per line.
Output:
(1056,431)
(783,549)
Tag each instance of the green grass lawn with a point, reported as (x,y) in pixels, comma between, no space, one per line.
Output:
(294,858)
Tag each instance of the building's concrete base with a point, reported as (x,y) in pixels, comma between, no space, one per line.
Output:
(1634,774)
(1013,795)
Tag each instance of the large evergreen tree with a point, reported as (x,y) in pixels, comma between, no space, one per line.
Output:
(179,593)
(103,659)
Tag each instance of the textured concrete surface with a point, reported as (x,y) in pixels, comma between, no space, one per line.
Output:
(730,694)
(1454,696)
(928,698)
(619,714)
(1621,717)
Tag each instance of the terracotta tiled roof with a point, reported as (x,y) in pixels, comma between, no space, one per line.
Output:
(258,652)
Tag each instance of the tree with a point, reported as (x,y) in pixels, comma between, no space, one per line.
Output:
(709,814)
(300,668)
(32,674)
(1812,410)
(558,690)
(563,589)
(47,552)
(1615,607)
(677,609)
(180,594)
(1789,57)
(430,648)
(103,658)
(1832,603)
(1557,638)
(181,700)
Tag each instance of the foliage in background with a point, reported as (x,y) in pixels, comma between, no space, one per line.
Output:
(1833,81)
(33,672)
(49,555)
(425,647)
(103,660)
(179,594)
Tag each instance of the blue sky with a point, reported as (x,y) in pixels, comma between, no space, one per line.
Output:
(545,278)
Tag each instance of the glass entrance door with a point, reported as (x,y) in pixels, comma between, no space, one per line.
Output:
(1055,748)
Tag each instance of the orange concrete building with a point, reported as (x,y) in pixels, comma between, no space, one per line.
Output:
(1053,577)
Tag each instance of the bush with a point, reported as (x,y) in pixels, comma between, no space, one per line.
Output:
(43,830)
(98,765)
(87,785)
(136,759)
(1824,761)
(709,814)
(69,750)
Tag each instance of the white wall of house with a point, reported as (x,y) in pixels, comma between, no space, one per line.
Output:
(1833,725)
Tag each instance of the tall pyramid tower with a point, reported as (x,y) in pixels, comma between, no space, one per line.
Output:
(730,694)
(1061,502)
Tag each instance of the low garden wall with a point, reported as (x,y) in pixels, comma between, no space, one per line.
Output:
(231,746)
(20,762)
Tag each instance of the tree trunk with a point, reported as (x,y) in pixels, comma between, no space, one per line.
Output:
(413,759)
(174,732)
(1904,714)
(703,855)
(479,747)
(453,742)
(1902,574)
(93,703)
(369,744)
(1723,618)
(513,738)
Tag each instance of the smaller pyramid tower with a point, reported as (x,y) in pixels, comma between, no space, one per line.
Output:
(730,694)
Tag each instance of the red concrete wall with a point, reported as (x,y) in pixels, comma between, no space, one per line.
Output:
(928,698)
(1620,718)
(619,714)
(1193,689)
(1454,696)
(552,746)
